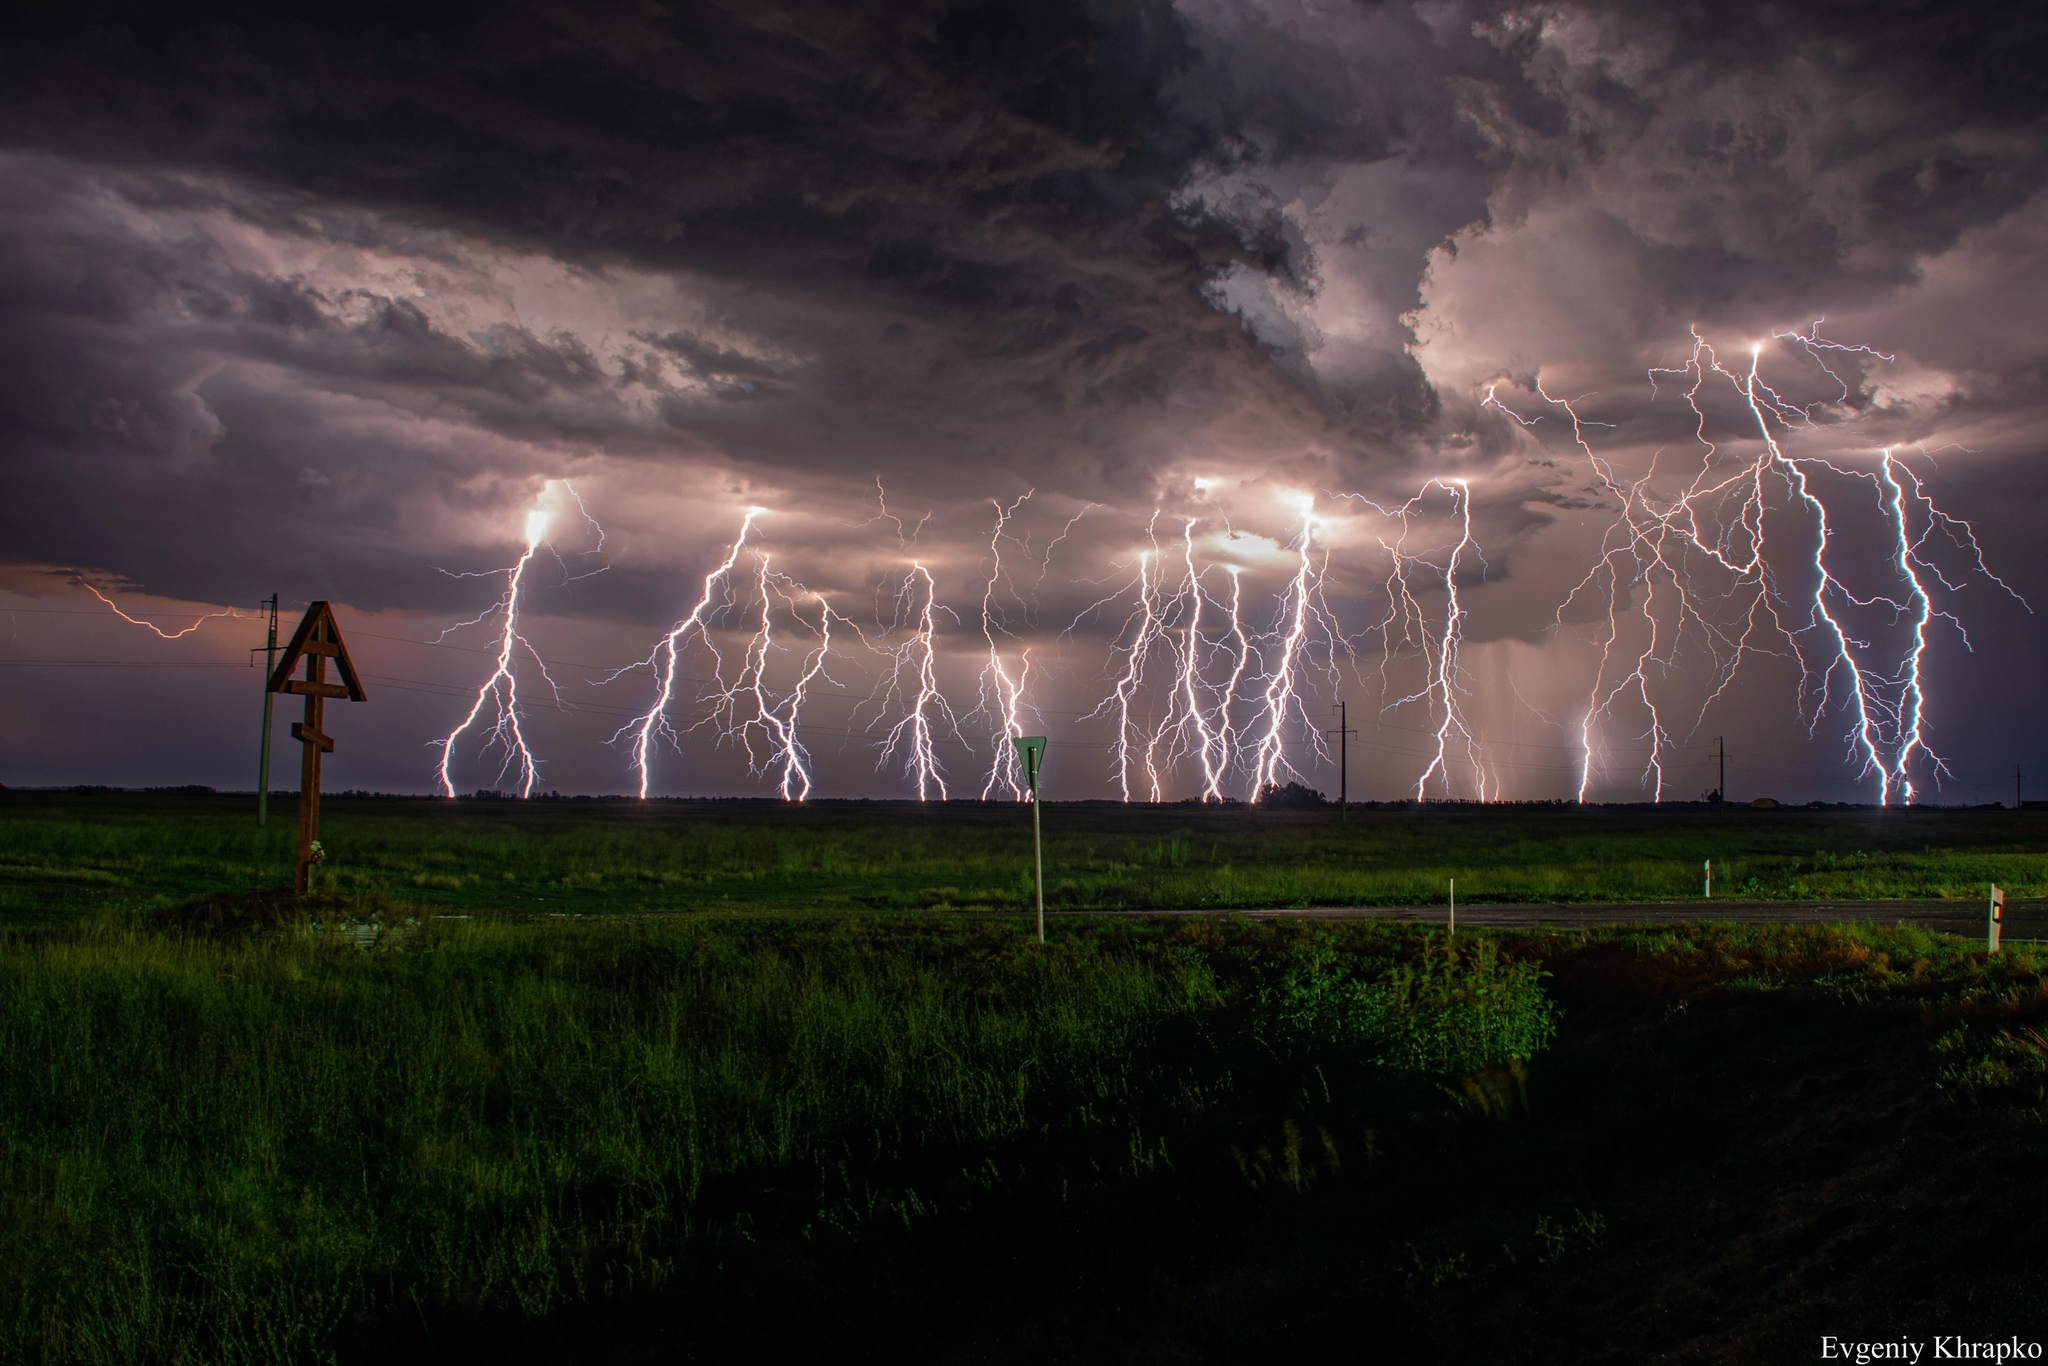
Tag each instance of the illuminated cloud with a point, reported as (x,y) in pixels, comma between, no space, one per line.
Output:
(323,308)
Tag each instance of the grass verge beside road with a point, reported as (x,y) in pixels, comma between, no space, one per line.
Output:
(932,1139)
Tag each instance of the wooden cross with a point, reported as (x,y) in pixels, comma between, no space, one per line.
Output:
(316,641)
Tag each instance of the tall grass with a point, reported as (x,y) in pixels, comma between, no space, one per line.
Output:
(250,1148)
(1448,1008)
(222,1151)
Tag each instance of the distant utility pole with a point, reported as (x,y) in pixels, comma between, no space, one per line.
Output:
(1343,732)
(2018,792)
(263,763)
(1722,741)
(1031,749)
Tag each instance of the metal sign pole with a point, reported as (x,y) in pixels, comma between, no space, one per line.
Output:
(1031,749)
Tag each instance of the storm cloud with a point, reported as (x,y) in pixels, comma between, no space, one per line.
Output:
(324,301)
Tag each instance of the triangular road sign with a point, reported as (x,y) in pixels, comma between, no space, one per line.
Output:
(317,635)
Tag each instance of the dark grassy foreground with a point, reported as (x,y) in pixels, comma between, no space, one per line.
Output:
(929,1139)
(64,854)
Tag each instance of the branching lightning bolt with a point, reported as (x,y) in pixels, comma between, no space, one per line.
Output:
(1142,626)
(1717,526)
(1409,624)
(159,631)
(1301,610)
(913,740)
(666,657)
(1002,697)
(501,689)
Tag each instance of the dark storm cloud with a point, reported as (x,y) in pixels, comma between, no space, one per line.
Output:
(953,223)
(329,293)
(1747,163)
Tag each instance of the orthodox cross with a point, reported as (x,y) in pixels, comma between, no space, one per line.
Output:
(316,641)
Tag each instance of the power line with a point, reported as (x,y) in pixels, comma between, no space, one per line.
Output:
(115,664)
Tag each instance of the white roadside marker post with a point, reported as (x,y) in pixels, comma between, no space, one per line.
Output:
(1031,749)
(1997,927)
(1454,908)
(1710,879)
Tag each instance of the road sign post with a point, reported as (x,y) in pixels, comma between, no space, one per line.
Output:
(1997,927)
(1031,751)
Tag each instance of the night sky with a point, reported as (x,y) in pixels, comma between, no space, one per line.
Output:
(1059,328)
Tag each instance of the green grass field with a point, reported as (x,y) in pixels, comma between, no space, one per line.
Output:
(60,851)
(367,1132)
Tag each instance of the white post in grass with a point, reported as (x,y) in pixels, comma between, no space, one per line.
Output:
(1031,749)
(1995,932)
(1710,879)
(1454,907)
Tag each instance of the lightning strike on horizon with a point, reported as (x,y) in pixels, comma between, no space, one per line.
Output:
(1144,630)
(1717,525)
(1188,687)
(1437,644)
(813,669)
(1300,609)
(501,689)
(750,706)
(785,751)
(1199,718)
(1226,706)
(666,657)
(778,719)
(1002,697)
(915,737)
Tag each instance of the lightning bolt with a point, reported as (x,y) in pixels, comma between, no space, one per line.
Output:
(914,739)
(1143,628)
(1301,609)
(1195,723)
(1209,744)
(796,775)
(1002,697)
(501,689)
(777,721)
(1409,625)
(1713,532)
(160,632)
(1226,707)
(666,657)
(1200,717)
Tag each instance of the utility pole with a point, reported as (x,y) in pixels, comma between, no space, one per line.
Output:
(1031,749)
(1722,741)
(263,763)
(2018,792)
(1343,732)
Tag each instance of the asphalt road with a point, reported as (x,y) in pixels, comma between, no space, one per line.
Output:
(2024,920)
